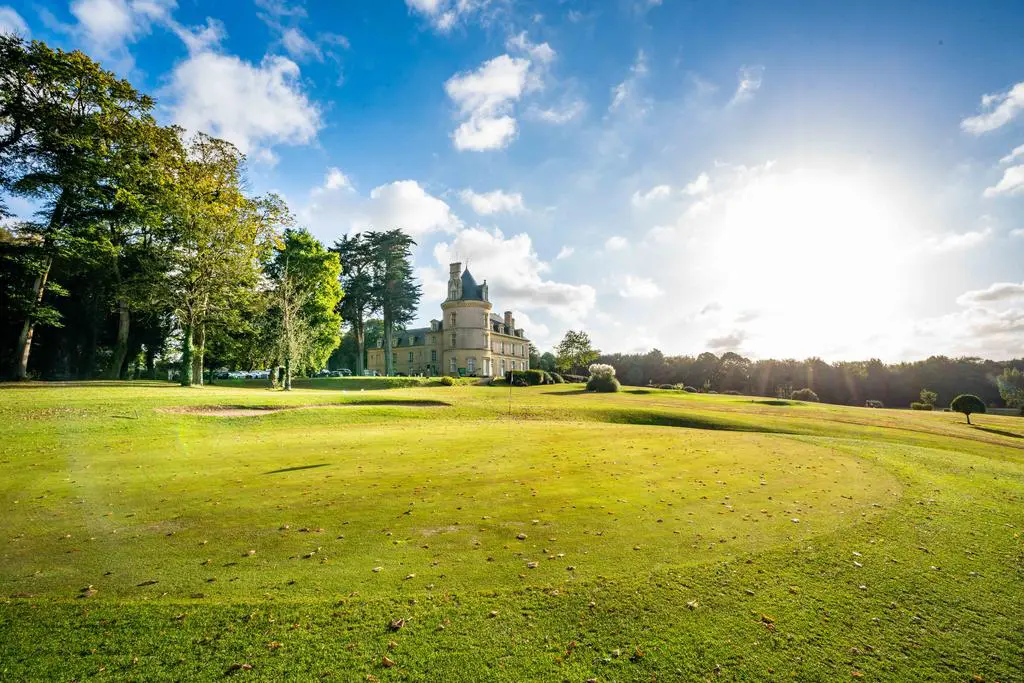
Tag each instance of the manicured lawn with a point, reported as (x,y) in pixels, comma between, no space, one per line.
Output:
(537,534)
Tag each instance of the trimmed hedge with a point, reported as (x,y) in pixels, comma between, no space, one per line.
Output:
(732,392)
(556,378)
(921,406)
(690,390)
(666,386)
(447,380)
(574,379)
(530,377)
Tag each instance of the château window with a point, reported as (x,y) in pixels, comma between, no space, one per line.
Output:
(433,355)
(471,365)
(410,356)
(451,365)
(453,340)
(452,319)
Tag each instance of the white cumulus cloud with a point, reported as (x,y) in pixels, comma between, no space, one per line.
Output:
(635,287)
(515,273)
(443,15)
(496,201)
(253,106)
(485,98)
(1012,183)
(335,208)
(997,110)
(616,243)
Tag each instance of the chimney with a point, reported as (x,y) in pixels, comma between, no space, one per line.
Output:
(509,322)
(454,269)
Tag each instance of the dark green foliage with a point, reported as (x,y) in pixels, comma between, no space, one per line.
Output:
(447,380)
(573,379)
(917,405)
(803,395)
(1011,388)
(731,392)
(530,377)
(557,378)
(967,404)
(574,352)
(666,386)
(690,390)
(603,384)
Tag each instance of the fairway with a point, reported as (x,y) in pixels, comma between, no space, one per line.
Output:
(159,533)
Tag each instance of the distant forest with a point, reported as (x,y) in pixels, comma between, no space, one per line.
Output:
(852,383)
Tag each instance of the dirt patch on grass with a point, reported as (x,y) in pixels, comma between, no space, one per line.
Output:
(254,411)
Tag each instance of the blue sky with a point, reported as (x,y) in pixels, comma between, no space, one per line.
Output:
(774,178)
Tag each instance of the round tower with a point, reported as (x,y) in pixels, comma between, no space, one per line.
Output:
(466,325)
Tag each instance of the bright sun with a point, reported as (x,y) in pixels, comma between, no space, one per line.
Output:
(816,254)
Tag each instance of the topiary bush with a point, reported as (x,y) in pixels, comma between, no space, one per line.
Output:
(917,405)
(447,380)
(967,404)
(803,395)
(602,379)
(690,390)
(574,379)
(557,379)
(666,386)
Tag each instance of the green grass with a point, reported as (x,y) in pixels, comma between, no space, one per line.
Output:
(666,536)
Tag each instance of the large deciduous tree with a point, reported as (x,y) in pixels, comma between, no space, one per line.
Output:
(221,238)
(574,352)
(304,297)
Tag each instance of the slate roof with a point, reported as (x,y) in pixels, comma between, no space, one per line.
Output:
(470,289)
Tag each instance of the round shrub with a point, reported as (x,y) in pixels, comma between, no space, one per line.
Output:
(603,384)
(447,380)
(602,378)
(967,404)
(557,379)
(690,390)
(917,405)
(803,395)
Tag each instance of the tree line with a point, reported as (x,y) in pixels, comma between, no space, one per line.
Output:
(146,246)
(846,382)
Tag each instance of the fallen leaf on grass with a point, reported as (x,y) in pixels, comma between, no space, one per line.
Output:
(396,624)
(387,662)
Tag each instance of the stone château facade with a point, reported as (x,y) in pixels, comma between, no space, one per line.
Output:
(469,340)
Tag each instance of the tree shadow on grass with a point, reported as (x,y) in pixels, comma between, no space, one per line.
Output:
(1000,432)
(571,392)
(297,468)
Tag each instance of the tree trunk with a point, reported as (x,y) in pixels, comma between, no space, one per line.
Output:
(389,366)
(186,356)
(124,317)
(358,332)
(197,354)
(274,370)
(24,348)
(968,418)
(150,362)
(287,373)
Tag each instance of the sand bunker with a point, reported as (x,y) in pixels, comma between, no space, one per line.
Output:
(253,411)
